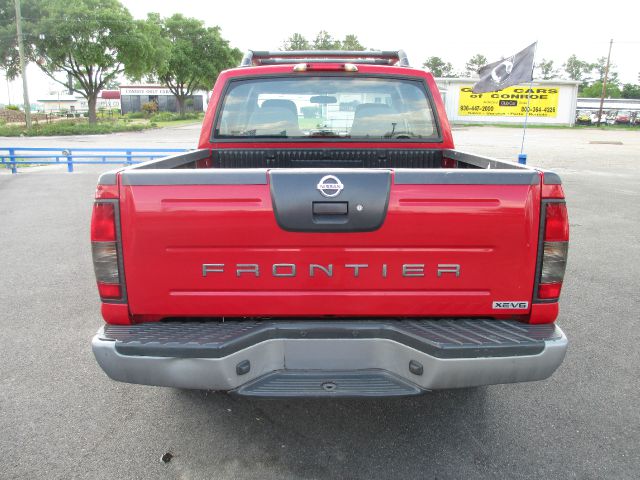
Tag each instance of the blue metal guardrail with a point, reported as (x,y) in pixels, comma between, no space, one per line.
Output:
(16,156)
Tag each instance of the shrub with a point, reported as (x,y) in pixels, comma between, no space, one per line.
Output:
(170,116)
(134,115)
(71,127)
(150,108)
(164,117)
(13,107)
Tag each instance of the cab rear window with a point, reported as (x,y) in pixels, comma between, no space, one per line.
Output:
(362,108)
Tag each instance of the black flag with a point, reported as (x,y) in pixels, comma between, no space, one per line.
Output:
(504,73)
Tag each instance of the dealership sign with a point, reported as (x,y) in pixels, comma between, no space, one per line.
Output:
(510,102)
(145,91)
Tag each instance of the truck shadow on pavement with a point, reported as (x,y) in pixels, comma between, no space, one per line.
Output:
(334,438)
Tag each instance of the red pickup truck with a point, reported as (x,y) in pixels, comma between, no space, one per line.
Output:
(327,239)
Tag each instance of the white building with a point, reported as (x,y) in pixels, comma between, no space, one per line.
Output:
(108,100)
(61,102)
(550,102)
(615,104)
(76,103)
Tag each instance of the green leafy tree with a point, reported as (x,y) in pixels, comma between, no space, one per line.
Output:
(629,90)
(31,13)
(474,64)
(351,42)
(439,67)
(297,41)
(546,70)
(192,55)
(577,69)
(595,90)
(324,41)
(112,84)
(93,41)
(599,68)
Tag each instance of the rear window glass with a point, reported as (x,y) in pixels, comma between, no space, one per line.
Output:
(335,107)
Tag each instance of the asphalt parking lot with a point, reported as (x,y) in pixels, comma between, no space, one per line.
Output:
(61,417)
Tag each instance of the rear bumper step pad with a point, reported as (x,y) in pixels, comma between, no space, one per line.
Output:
(362,383)
(440,338)
(301,357)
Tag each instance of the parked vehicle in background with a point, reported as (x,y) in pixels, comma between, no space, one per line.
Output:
(594,118)
(609,117)
(583,117)
(623,117)
(351,251)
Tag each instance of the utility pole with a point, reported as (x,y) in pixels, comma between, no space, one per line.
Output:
(23,69)
(6,77)
(604,82)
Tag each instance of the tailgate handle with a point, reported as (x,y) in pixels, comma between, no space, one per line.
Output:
(330,208)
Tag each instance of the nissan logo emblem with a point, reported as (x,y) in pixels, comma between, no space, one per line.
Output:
(330,186)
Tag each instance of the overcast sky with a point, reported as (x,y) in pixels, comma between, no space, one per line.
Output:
(452,30)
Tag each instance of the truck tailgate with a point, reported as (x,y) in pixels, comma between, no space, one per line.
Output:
(270,243)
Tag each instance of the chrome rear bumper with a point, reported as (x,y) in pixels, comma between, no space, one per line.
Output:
(333,358)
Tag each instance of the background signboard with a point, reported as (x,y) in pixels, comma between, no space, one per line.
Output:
(145,91)
(511,101)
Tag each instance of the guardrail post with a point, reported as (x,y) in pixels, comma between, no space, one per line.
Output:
(12,158)
(129,158)
(67,153)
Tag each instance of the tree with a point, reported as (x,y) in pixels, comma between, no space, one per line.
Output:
(576,69)
(474,64)
(93,41)
(351,42)
(595,90)
(547,72)
(630,90)
(324,41)
(296,42)
(9,60)
(599,68)
(439,67)
(112,84)
(192,57)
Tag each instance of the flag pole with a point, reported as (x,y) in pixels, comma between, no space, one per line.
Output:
(522,158)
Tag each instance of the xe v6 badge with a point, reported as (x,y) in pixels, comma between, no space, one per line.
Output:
(330,186)
(511,305)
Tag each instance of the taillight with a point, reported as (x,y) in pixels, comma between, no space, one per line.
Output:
(104,249)
(103,222)
(555,247)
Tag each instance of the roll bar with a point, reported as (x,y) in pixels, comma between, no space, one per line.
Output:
(377,57)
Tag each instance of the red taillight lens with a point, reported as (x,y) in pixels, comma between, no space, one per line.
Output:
(556,223)
(555,251)
(103,223)
(104,249)
(109,290)
(549,290)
